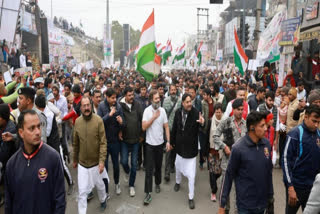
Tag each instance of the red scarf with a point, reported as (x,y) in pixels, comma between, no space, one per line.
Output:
(245,110)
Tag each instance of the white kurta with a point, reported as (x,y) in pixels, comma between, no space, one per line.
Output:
(187,168)
(87,179)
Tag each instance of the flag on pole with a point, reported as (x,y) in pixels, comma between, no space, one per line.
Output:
(148,62)
(180,55)
(167,52)
(240,58)
(199,55)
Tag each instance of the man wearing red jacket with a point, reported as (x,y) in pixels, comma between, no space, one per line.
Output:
(76,104)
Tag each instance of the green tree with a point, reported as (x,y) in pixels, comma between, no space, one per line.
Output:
(117,36)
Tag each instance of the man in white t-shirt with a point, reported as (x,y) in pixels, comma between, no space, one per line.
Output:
(153,121)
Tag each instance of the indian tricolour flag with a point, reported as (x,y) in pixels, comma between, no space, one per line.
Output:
(181,53)
(167,52)
(240,58)
(148,62)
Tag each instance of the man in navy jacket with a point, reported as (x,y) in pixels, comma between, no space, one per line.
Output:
(251,167)
(301,160)
(112,115)
(34,180)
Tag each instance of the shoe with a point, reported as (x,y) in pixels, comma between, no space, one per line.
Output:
(70,189)
(213,197)
(90,196)
(176,187)
(191,204)
(201,166)
(126,177)
(132,192)
(108,196)
(158,190)
(147,199)
(118,190)
(167,178)
(103,206)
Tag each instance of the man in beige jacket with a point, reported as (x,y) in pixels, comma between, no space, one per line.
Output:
(293,105)
(89,154)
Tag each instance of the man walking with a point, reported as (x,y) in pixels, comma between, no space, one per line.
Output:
(131,133)
(250,166)
(232,129)
(153,121)
(301,160)
(111,113)
(184,138)
(34,176)
(89,154)
(171,104)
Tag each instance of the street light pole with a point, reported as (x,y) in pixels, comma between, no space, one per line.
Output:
(257,29)
(244,23)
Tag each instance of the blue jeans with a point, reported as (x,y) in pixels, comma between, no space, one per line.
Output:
(254,211)
(134,149)
(113,149)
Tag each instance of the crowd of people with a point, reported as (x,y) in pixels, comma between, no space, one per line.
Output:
(233,125)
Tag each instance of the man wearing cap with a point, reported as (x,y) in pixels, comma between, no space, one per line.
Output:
(313,98)
(26,102)
(39,83)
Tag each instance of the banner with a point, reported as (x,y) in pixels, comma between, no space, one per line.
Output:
(290,32)
(219,55)
(28,22)
(270,37)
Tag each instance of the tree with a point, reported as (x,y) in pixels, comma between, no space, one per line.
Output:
(117,36)
(134,37)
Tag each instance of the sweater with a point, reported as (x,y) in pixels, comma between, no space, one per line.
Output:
(89,141)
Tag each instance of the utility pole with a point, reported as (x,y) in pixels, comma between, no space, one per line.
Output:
(107,59)
(256,33)
(243,23)
(51,11)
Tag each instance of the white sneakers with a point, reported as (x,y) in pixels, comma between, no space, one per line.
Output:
(126,177)
(132,192)
(118,190)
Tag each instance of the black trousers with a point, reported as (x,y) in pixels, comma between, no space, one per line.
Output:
(302,195)
(169,163)
(282,144)
(142,154)
(154,155)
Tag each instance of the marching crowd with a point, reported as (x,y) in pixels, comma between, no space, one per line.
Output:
(235,126)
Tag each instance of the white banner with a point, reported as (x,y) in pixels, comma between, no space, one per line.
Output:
(270,37)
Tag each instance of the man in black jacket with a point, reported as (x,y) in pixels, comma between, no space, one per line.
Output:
(184,138)
(130,135)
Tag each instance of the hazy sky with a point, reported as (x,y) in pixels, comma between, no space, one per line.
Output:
(175,19)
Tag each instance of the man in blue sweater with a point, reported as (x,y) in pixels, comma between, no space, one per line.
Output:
(301,160)
(251,167)
(34,180)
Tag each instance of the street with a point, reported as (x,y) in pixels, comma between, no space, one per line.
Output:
(167,201)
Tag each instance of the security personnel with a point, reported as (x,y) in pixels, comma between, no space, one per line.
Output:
(34,178)
(250,167)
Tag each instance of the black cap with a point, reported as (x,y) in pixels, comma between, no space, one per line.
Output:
(30,92)
(266,64)
(76,89)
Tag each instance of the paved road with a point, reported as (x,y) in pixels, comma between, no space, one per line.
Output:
(167,201)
